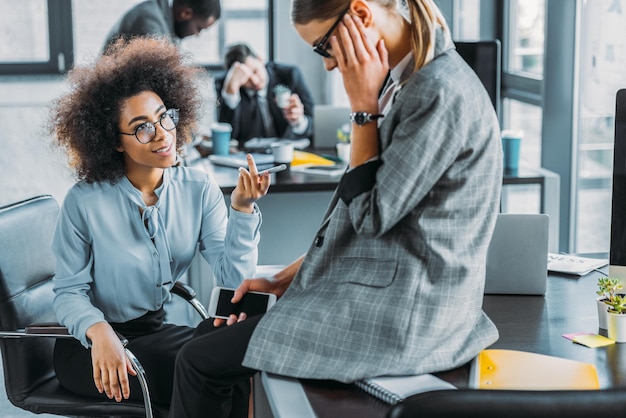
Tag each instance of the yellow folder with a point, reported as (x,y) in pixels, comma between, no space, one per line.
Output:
(303,157)
(520,370)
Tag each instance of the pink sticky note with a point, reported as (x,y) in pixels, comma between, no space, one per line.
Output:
(572,336)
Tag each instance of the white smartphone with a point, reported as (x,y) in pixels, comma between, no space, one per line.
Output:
(252,303)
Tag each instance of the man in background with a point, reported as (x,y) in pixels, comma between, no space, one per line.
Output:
(175,19)
(247,97)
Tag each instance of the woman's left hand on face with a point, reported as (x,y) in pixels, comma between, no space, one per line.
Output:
(251,186)
(363,64)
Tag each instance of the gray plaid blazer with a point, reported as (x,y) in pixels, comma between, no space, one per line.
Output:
(393,281)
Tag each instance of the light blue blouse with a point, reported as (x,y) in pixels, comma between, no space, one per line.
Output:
(115,264)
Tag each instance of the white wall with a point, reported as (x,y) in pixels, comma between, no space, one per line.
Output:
(29,163)
(289,48)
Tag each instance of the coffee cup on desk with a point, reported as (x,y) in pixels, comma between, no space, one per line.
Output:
(511,144)
(220,137)
(283,153)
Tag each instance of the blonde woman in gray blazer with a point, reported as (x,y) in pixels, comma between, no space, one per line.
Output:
(393,281)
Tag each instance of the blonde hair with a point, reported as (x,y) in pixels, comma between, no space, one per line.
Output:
(424,15)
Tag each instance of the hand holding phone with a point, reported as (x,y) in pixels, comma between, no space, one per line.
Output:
(252,303)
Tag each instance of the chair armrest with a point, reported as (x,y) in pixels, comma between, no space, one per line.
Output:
(184,291)
(53,329)
(47,328)
(187,293)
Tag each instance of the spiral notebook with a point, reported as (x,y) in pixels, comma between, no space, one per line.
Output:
(394,389)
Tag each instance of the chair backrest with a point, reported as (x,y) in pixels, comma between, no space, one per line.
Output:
(27,266)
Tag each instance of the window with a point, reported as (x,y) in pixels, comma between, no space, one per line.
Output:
(523,73)
(49,36)
(526,36)
(466,20)
(242,21)
(601,69)
(32,39)
(91,22)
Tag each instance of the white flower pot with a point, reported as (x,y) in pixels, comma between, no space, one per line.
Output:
(602,312)
(616,327)
(343,151)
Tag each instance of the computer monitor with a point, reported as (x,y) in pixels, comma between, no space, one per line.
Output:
(617,255)
(485,58)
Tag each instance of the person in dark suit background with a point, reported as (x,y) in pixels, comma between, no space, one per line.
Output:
(247,101)
(175,19)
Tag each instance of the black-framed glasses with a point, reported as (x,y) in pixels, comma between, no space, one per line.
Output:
(146,131)
(320,47)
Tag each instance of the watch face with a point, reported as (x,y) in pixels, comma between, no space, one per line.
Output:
(360,118)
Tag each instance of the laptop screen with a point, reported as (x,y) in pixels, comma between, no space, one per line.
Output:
(327,119)
(617,267)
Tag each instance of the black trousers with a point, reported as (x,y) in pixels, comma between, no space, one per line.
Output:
(209,377)
(155,345)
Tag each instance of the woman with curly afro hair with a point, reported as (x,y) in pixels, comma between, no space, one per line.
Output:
(130,226)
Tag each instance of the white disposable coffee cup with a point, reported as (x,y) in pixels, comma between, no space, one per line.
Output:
(283,152)
(282,99)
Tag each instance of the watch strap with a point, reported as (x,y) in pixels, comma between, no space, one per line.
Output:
(361,118)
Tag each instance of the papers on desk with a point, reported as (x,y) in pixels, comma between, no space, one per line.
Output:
(520,370)
(322,170)
(393,389)
(569,264)
(264,145)
(263,161)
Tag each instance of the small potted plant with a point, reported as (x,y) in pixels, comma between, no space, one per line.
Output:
(343,146)
(607,289)
(615,306)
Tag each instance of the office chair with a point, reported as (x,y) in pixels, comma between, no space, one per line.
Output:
(473,403)
(27,266)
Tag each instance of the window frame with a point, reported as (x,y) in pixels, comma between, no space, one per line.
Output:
(60,44)
(556,94)
(61,41)
(243,14)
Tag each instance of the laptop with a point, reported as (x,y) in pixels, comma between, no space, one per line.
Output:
(517,258)
(327,119)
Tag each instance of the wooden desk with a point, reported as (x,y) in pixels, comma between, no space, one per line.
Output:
(528,323)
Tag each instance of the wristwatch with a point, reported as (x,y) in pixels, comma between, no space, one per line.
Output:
(361,118)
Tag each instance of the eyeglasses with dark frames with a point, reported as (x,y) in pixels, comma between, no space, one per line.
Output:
(146,132)
(320,47)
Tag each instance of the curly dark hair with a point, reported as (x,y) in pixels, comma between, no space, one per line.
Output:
(85,121)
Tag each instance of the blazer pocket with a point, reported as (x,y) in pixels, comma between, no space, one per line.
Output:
(365,271)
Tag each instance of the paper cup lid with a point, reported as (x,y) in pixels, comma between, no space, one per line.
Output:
(512,133)
(221,127)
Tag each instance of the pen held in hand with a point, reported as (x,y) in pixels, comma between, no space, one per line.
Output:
(276,169)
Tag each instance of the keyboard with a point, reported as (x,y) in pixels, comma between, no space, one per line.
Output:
(571,264)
